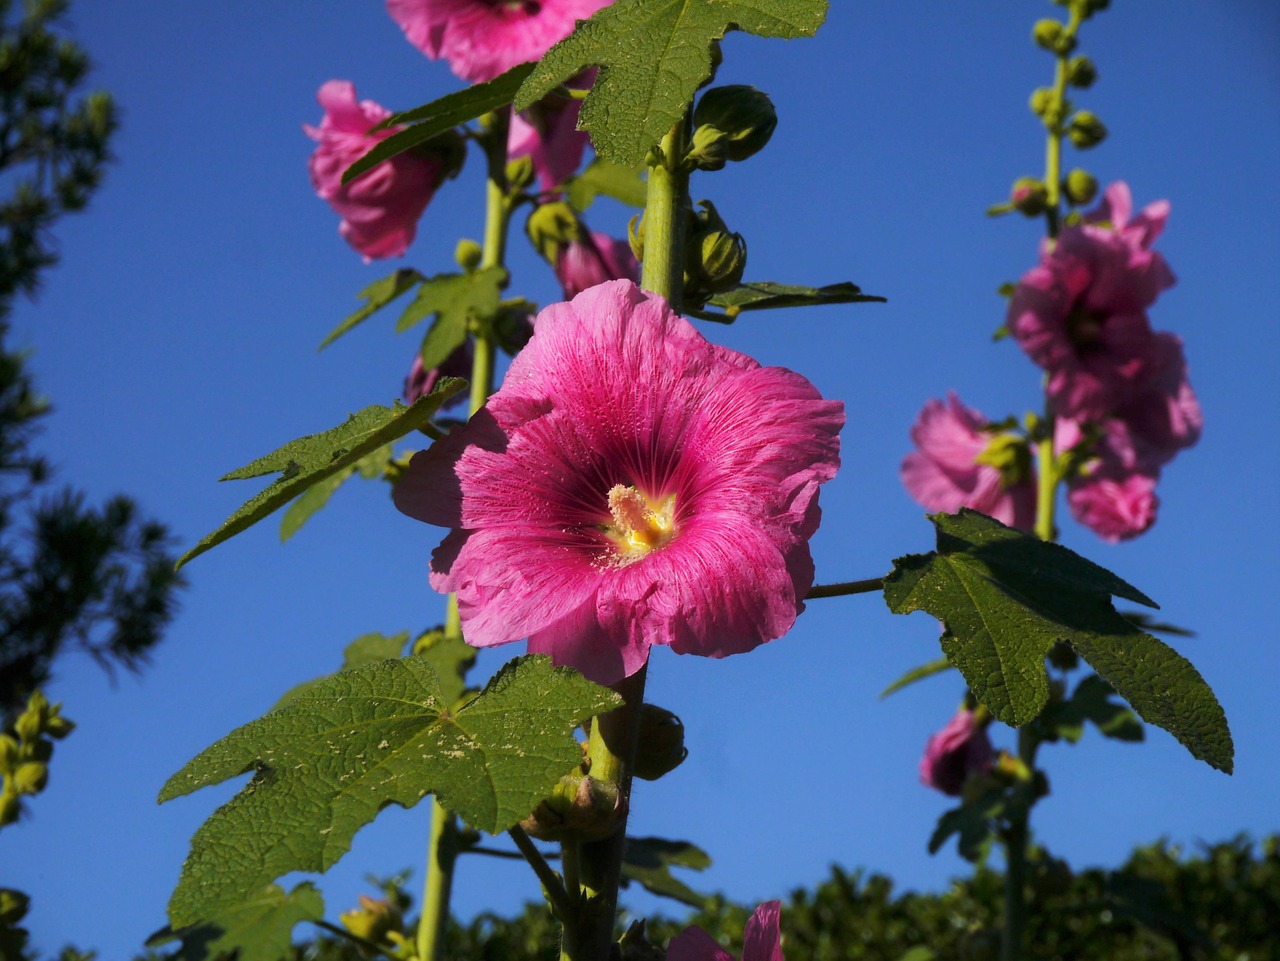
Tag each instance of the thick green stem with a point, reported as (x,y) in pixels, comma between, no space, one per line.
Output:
(1057,128)
(441,856)
(1046,490)
(664,220)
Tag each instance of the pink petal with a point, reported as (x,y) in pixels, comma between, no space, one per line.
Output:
(762,938)
(694,944)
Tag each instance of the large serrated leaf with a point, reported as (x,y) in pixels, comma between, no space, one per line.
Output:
(376,296)
(309,460)
(316,497)
(259,928)
(653,55)
(365,649)
(1006,598)
(432,119)
(452,299)
(336,754)
(648,862)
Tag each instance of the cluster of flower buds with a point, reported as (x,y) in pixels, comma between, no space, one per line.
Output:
(730,123)
(24,754)
(715,257)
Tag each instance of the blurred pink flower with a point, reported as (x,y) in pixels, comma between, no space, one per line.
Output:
(944,473)
(761,939)
(1114,493)
(484,38)
(1162,414)
(1081,312)
(630,484)
(960,749)
(380,208)
(592,260)
(422,381)
(548,134)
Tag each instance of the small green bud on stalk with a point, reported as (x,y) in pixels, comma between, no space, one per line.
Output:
(743,116)
(31,777)
(13,907)
(660,744)
(10,806)
(1053,36)
(468,254)
(550,227)
(1086,130)
(1081,72)
(1042,101)
(8,754)
(707,151)
(520,173)
(715,258)
(1029,196)
(1080,187)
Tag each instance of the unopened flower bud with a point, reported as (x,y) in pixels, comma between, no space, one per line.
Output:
(583,807)
(8,754)
(10,806)
(1081,72)
(708,148)
(550,227)
(31,777)
(1080,186)
(373,920)
(520,173)
(1053,36)
(715,257)
(468,254)
(1086,130)
(743,115)
(13,907)
(1042,100)
(660,745)
(57,726)
(1029,196)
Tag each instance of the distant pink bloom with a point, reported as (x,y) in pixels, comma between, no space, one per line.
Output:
(548,134)
(484,38)
(943,472)
(379,209)
(960,749)
(592,260)
(422,381)
(630,484)
(1114,496)
(1162,414)
(762,939)
(1081,312)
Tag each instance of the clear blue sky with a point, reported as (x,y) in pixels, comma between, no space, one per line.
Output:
(177,341)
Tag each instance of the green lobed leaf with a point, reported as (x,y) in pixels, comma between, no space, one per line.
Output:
(316,497)
(260,928)
(1006,598)
(648,862)
(451,658)
(377,295)
(365,649)
(453,299)
(917,674)
(625,184)
(767,295)
(327,762)
(432,119)
(972,821)
(1091,701)
(309,460)
(653,55)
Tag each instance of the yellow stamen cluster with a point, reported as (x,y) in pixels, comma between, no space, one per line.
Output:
(639,525)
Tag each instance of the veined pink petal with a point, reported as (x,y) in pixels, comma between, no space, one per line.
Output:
(762,937)
(694,944)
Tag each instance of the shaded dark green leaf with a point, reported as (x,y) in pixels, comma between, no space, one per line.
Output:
(260,928)
(918,674)
(625,184)
(648,862)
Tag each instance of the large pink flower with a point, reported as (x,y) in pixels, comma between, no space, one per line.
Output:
(761,939)
(484,38)
(630,484)
(592,260)
(944,473)
(962,748)
(380,208)
(1081,312)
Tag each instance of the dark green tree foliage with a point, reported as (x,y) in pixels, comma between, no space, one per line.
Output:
(71,575)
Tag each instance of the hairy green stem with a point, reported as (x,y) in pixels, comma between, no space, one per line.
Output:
(442,853)
(564,901)
(664,220)
(1016,837)
(1047,480)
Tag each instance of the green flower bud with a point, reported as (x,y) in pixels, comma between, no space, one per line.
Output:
(550,227)
(1086,130)
(31,777)
(1042,100)
(373,920)
(715,258)
(1051,35)
(520,173)
(1080,186)
(660,745)
(741,114)
(468,254)
(56,726)
(635,236)
(1081,72)
(583,807)
(709,149)
(13,907)
(10,806)
(8,754)
(1029,196)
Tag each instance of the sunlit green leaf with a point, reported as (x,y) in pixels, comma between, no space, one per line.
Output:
(260,928)
(377,295)
(625,184)
(309,460)
(328,761)
(365,649)
(766,295)
(1006,598)
(652,56)
(453,299)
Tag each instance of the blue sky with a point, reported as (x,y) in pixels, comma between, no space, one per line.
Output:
(177,341)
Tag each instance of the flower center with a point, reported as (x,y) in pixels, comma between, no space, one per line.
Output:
(639,524)
(1084,327)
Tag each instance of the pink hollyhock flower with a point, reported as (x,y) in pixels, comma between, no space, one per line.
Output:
(484,38)
(944,473)
(422,381)
(592,260)
(379,209)
(548,134)
(1114,493)
(960,749)
(630,484)
(761,939)
(1081,312)
(1162,414)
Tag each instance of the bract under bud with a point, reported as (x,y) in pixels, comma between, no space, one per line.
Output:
(520,173)
(715,258)
(582,807)
(1081,72)
(660,744)
(468,254)
(708,150)
(635,236)
(1010,455)
(1080,186)
(1029,196)
(743,115)
(1086,130)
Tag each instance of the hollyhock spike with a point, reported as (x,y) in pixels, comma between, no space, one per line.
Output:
(630,484)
